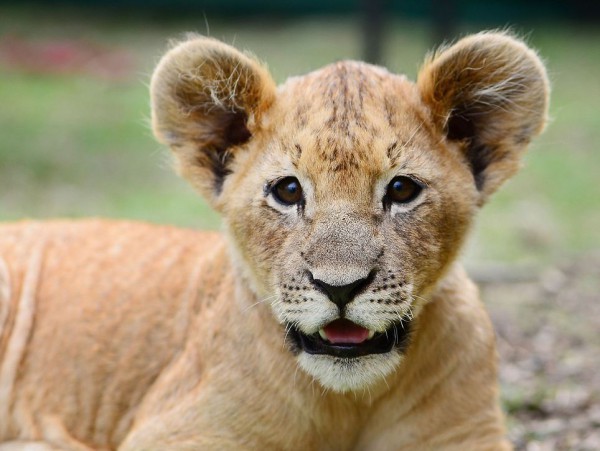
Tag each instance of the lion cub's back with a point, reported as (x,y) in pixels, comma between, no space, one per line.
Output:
(96,308)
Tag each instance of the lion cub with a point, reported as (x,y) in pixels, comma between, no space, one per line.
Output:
(329,315)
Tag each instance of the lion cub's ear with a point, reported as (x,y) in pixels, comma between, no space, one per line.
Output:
(207,100)
(489,92)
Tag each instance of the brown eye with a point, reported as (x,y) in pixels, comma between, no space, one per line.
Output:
(288,191)
(402,190)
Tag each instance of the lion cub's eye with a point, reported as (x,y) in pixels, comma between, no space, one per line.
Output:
(288,191)
(402,190)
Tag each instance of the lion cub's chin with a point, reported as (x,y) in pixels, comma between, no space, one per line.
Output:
(342,374)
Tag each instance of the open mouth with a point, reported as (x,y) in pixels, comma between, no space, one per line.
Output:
(343,338)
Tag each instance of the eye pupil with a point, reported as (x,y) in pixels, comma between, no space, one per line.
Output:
(402,190)
(288,191)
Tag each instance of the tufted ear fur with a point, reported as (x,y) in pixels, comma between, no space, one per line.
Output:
(207,100)
(489,93)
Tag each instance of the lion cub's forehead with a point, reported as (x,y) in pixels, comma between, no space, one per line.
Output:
(348,118)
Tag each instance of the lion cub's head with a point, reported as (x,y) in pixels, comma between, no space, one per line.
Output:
(347,192)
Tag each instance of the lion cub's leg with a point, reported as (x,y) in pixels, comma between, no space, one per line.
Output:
(146,440)
(28,446)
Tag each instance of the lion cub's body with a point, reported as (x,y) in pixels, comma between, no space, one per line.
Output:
(162,332)
(330,315)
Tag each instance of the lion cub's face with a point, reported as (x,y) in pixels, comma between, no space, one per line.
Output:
(348,192)
(348,211)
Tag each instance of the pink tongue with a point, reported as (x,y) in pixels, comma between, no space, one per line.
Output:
(344,331)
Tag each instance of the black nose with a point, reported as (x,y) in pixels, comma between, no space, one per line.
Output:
(341,295)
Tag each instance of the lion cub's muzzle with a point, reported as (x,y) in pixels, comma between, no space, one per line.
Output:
(344,338)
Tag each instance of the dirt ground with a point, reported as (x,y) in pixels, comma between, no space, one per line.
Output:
(548,331)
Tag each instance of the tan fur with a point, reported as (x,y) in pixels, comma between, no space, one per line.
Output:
(118,335)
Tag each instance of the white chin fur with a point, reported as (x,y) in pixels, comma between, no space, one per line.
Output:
(343,374)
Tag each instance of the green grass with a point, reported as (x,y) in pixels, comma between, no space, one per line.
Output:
(77,145)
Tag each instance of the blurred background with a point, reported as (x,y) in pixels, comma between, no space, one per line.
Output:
(75,141)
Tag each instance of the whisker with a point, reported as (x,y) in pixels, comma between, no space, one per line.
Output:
(420,297)
(268,298)
(400,316)
(384,377)
(401,323)
(288,327)
(370,395)
(409,313)
(295,375)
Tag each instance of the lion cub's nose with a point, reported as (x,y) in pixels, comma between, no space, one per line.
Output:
(341,295)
